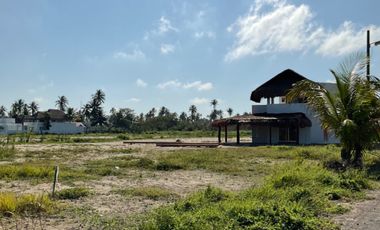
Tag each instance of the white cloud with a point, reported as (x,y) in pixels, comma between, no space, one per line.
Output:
(199,101)
(165,26)
(169,84)
(199,85)
(346,40)
(141,83)
(134,100)
(136,54)
(273,26)
(204,34)
(167,48)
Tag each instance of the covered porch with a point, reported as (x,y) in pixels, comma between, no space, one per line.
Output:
(267,129)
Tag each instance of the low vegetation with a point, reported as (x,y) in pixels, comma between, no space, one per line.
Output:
(30,204)
(7,152)
(72,193)
(297,196)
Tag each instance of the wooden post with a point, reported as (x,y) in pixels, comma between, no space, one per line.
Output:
(56,172)
(270,134)
(238,133)
(219,134)
(225,134)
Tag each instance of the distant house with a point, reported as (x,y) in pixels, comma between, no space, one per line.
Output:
(280,121)
(51,121)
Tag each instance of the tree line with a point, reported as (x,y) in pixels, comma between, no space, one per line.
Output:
(92,114)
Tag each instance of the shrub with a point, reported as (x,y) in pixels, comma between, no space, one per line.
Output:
(29,204)
(72,193)
(7,153)
(167,166)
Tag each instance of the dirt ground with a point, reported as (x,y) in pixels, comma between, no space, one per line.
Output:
(364,215)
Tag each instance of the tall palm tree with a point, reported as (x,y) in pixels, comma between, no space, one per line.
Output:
(99,97)
(193,112)
(33,106)
(62,103)
(3,110)
(352,114)
(214,103)
(230,111)
(70,114)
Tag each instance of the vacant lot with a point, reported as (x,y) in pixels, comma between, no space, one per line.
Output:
(109,185)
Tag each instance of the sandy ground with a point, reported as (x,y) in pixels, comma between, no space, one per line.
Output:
(363,215)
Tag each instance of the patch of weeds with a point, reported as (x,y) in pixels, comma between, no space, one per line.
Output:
(123,137)
(29,204)
(7,152)
(297,195)
(124,150)
(167,166)
(72,193)
(150,192)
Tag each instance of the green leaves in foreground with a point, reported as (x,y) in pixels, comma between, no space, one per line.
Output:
(296,196)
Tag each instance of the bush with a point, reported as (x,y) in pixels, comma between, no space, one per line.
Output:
(123,137)
(72,193)
(30,204)
(7,153)
(167,166)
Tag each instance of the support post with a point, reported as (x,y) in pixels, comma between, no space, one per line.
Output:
(238,133)
(270,134)
(298,135)
(225,134)
(55,181)
(219,134)
(368,53)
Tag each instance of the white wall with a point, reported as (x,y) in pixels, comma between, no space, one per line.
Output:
(308,135)
(10,127)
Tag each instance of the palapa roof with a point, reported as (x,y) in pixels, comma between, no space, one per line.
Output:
(273,119)
(54,115)
(277,86)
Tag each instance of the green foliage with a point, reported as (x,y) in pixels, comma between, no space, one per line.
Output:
(296,196)
(29,204)
(7,153)
(72,193)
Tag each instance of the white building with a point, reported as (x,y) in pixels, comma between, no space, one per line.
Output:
(52,121)
(279,121)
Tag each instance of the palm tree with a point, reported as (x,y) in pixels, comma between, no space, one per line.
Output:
(33,106)
(352,113)
(99,97)
(70,114)
(62,103)
(3,110)
(230,111)
(193,112)
(214,103)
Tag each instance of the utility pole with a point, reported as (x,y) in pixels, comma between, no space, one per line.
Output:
(368,54)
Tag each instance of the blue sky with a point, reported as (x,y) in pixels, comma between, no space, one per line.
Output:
(173,53)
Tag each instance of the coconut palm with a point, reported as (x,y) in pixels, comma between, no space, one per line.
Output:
(70,114)
(62,103)
(352,114)
(3,110)
(214,103)
(230,111)
(193,112)
(33,106)
(99,97)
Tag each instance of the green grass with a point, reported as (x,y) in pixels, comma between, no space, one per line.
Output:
(150,192)
(72,193)
(11,204)
(7,152)
(39,173)
(298,195)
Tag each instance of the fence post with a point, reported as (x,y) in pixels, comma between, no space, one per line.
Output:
(56,172)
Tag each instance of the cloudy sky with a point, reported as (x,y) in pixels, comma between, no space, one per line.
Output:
(173,53)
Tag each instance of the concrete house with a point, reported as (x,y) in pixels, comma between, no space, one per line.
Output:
(277,121)
(52,121)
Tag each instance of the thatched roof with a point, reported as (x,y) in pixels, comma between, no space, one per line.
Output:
(277,86)
(277,119)
(54,115)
